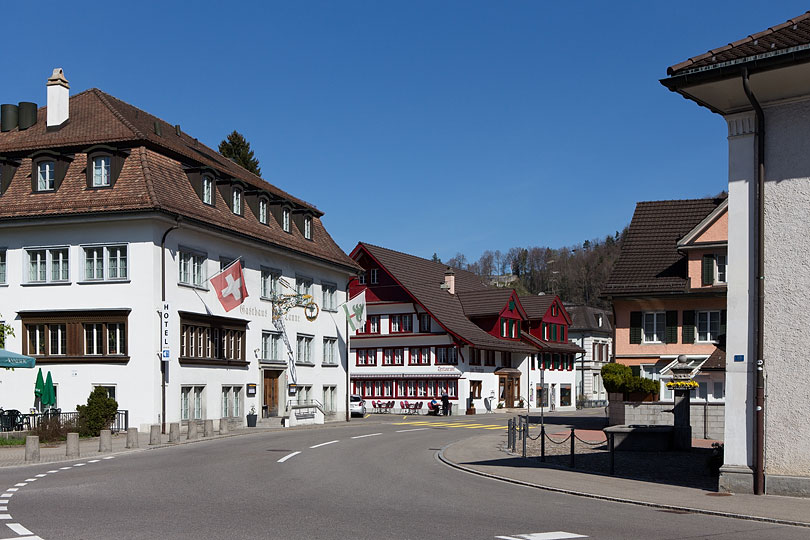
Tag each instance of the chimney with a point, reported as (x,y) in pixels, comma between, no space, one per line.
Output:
(58,99)
(450,280)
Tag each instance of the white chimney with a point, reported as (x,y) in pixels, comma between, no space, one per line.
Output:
(450,281)
(58,99)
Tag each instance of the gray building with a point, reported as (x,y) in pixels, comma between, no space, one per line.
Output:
(591,329)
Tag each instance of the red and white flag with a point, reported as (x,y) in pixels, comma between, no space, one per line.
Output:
(230,286)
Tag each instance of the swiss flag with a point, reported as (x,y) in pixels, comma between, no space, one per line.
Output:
(230,286)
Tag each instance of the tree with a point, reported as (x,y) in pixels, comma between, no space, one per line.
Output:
(436,258)
(5,330)
(237,149)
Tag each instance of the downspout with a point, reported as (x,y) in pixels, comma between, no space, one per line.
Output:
(348,361)
(163,364)
(759,407)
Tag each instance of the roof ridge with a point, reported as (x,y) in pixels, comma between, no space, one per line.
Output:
(102,96)
(701,199)
(440,263)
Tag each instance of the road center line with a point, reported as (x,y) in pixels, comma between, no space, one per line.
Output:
(93,461)
(23,484)
(414,429)
(288,456)
(323,444)
(64,468)
(41,475)
(12,489)
(19,529)
(367,435)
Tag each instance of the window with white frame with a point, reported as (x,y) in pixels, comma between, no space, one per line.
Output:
(110,388)
(36,339)
(303,285)
(393,357)
(271,346)
(191,402)
(237,201)
(424,323)
(329,291)
(721,262)
(231,402)
(401,323)
(361,278)
(46,175)
(101,171)
(57,343)
(304,344)
(208,190)
(48,265)
(2,266)
(285,219)
(330,398)
(708,326)
(374,274)
(263,211)
(419,356)
(304,394)
(366,357)
(270,279)
(93,339)
(191,268)
(654,325)
(447,355)
(308,227)
(330,356)
(105,263)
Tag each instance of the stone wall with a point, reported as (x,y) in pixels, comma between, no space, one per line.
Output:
(633,412)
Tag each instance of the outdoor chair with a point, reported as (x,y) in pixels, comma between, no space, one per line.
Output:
(11,420)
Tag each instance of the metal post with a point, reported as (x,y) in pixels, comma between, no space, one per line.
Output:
(572,447)
(525,435)
(509,434)
(612,454)
(542,442)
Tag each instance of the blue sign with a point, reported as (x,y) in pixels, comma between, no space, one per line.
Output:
(739,358)
(166,354)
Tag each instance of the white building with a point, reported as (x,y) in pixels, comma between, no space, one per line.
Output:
(760,85)
(592,330)
(433,330)
(108,215)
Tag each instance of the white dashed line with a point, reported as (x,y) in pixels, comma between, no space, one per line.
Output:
(64,468)
(109,457)
(93,461)
(407,430)
(41,475)
(288,456)
(19,529)
(80,465)
(6,495)
(13,489)
(5,516)
(30,479)
(53,471)
(368,435)
(323,444)
(22,484)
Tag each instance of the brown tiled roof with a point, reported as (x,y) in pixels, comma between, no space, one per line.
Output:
(152,179)
(537,305)
(781,38)
(649,261)
(716,361)
(551,346)
(422,279)
(489,301)
(584,318)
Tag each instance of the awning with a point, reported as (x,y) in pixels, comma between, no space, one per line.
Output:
(10,359)
(455,375)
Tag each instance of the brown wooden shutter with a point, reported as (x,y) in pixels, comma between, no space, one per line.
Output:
(689,326)
(635,327)
(722,331)
(708,270)
(671,334)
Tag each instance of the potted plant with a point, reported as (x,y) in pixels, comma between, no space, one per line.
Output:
(251,417)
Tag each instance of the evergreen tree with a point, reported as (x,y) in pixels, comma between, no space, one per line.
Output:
(237,149)
(436,258)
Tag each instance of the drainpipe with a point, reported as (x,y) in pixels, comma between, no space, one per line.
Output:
(163,364)
(759,407)
(348,360)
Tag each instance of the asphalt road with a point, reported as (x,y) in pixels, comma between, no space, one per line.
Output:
(377,480)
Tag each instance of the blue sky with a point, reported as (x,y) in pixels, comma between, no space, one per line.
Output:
(423,126)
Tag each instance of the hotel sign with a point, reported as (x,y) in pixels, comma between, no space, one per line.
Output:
(166,325)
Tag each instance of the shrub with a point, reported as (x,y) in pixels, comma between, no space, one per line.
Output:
(98,414)
(620,378)
(52,429)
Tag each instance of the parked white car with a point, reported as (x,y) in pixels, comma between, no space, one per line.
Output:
(357,405)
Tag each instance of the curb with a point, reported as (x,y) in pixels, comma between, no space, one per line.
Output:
(442,458)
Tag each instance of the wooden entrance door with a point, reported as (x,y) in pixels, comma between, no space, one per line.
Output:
(509,387)
(271,392)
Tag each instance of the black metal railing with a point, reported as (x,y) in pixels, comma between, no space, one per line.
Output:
(32,421)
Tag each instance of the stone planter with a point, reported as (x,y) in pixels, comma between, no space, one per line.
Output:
(251,420)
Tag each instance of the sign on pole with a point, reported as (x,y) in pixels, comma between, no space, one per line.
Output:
(166,325)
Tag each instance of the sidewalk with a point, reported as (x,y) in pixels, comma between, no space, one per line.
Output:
(483,455)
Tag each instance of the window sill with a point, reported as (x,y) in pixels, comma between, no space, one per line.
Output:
(99,281)
(330,365)
(310,364)
(191,286)
(122,359)
(3,284)
(45,283)
(212,362)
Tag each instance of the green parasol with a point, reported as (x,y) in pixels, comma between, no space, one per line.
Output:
(49,393)
(39,387)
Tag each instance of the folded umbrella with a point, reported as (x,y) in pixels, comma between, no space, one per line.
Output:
(39,387)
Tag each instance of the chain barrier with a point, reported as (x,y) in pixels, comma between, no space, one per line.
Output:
(598,443)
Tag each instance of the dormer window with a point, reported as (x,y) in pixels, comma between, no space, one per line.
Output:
(46,175)
(101,171)
(553,310)
(237,201)
(308,227)
(285,219)
(208,190)
(263,211)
